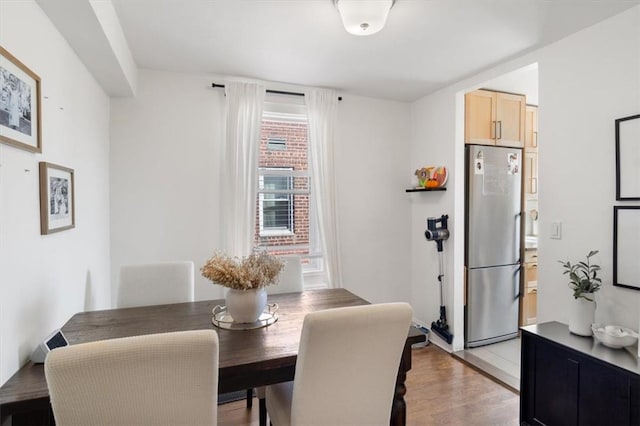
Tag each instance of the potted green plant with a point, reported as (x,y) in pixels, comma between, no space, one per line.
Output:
(584,281)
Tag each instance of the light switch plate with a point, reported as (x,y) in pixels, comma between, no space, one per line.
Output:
(556,230)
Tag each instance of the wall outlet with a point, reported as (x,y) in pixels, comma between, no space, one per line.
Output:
(556,230)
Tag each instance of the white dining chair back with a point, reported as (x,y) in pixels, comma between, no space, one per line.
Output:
(290,278)
(155,284)
(157,379)
(346,368)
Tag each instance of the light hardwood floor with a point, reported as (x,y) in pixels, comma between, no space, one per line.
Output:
(440,391)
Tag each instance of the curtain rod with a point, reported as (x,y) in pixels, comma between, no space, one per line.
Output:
(277,92)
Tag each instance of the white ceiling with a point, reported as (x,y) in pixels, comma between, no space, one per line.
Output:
(425,45)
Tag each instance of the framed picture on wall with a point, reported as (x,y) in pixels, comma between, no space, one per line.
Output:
(20,115)
(626,246)
(57,198)
(628,158)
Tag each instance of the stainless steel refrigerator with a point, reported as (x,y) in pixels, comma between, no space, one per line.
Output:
(492,260)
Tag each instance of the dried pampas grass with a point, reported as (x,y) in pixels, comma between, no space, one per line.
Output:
(257,270)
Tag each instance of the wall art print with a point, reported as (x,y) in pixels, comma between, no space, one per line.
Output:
(20,115)
(57,198)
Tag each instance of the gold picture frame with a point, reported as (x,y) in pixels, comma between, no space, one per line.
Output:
(57,198)
(20,104)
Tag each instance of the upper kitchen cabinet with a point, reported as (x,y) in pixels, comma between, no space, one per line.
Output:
(495,118)
(531,129)
(530,163)
(530,170)
(480,118)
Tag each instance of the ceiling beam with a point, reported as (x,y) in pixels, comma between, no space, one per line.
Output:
(93,31)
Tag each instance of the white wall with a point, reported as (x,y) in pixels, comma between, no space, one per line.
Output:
(373,208)
(165,175)
(523,81)
(44,280)
(432,118)
(586,81)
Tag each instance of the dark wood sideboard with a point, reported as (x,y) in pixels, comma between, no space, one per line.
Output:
(570,380)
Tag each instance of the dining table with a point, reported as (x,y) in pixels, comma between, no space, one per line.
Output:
(247,359)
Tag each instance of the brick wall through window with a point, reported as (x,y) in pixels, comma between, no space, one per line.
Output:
(293,156)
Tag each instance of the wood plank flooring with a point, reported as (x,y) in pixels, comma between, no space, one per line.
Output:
(440,391)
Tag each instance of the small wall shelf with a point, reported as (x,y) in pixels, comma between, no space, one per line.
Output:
(425,189)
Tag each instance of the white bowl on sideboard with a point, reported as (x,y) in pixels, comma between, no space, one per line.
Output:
(614,336)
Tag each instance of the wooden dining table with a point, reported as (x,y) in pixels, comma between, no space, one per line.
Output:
(248,358)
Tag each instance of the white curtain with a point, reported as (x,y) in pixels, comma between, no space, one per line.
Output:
(322,111)
(244,104)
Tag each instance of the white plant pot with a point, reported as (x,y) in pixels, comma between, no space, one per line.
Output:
(245,306)
(582,314)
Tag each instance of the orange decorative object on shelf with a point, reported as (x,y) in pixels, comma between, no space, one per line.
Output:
(439,175)
(431,177)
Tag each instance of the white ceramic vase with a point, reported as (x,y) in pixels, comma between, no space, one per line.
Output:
(582,314)
(245,306)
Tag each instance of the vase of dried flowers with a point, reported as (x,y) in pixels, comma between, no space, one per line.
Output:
(246,279)
(246,305)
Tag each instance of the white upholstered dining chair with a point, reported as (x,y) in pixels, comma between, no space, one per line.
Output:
(155,284)
(290,280)
(157,379)
(346,368)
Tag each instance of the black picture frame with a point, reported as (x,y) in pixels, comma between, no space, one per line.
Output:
(629,240)
(627,150)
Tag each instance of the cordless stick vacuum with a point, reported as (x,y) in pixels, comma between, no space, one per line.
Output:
(437,231)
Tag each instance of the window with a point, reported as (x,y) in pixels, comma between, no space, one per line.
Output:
(275,201)
(285,222)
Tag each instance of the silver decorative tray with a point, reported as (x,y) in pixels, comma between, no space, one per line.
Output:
(222,319)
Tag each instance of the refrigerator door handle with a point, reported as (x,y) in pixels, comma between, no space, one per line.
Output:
(516,280)
(518,221)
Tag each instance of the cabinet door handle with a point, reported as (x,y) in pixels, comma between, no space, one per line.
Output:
(500,123)
(534,185)
(535,140)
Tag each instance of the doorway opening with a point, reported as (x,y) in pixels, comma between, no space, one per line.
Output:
(501,120)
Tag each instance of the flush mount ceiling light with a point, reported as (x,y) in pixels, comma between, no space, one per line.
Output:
(363,17)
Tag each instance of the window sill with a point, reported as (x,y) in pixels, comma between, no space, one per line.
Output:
(278,233)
